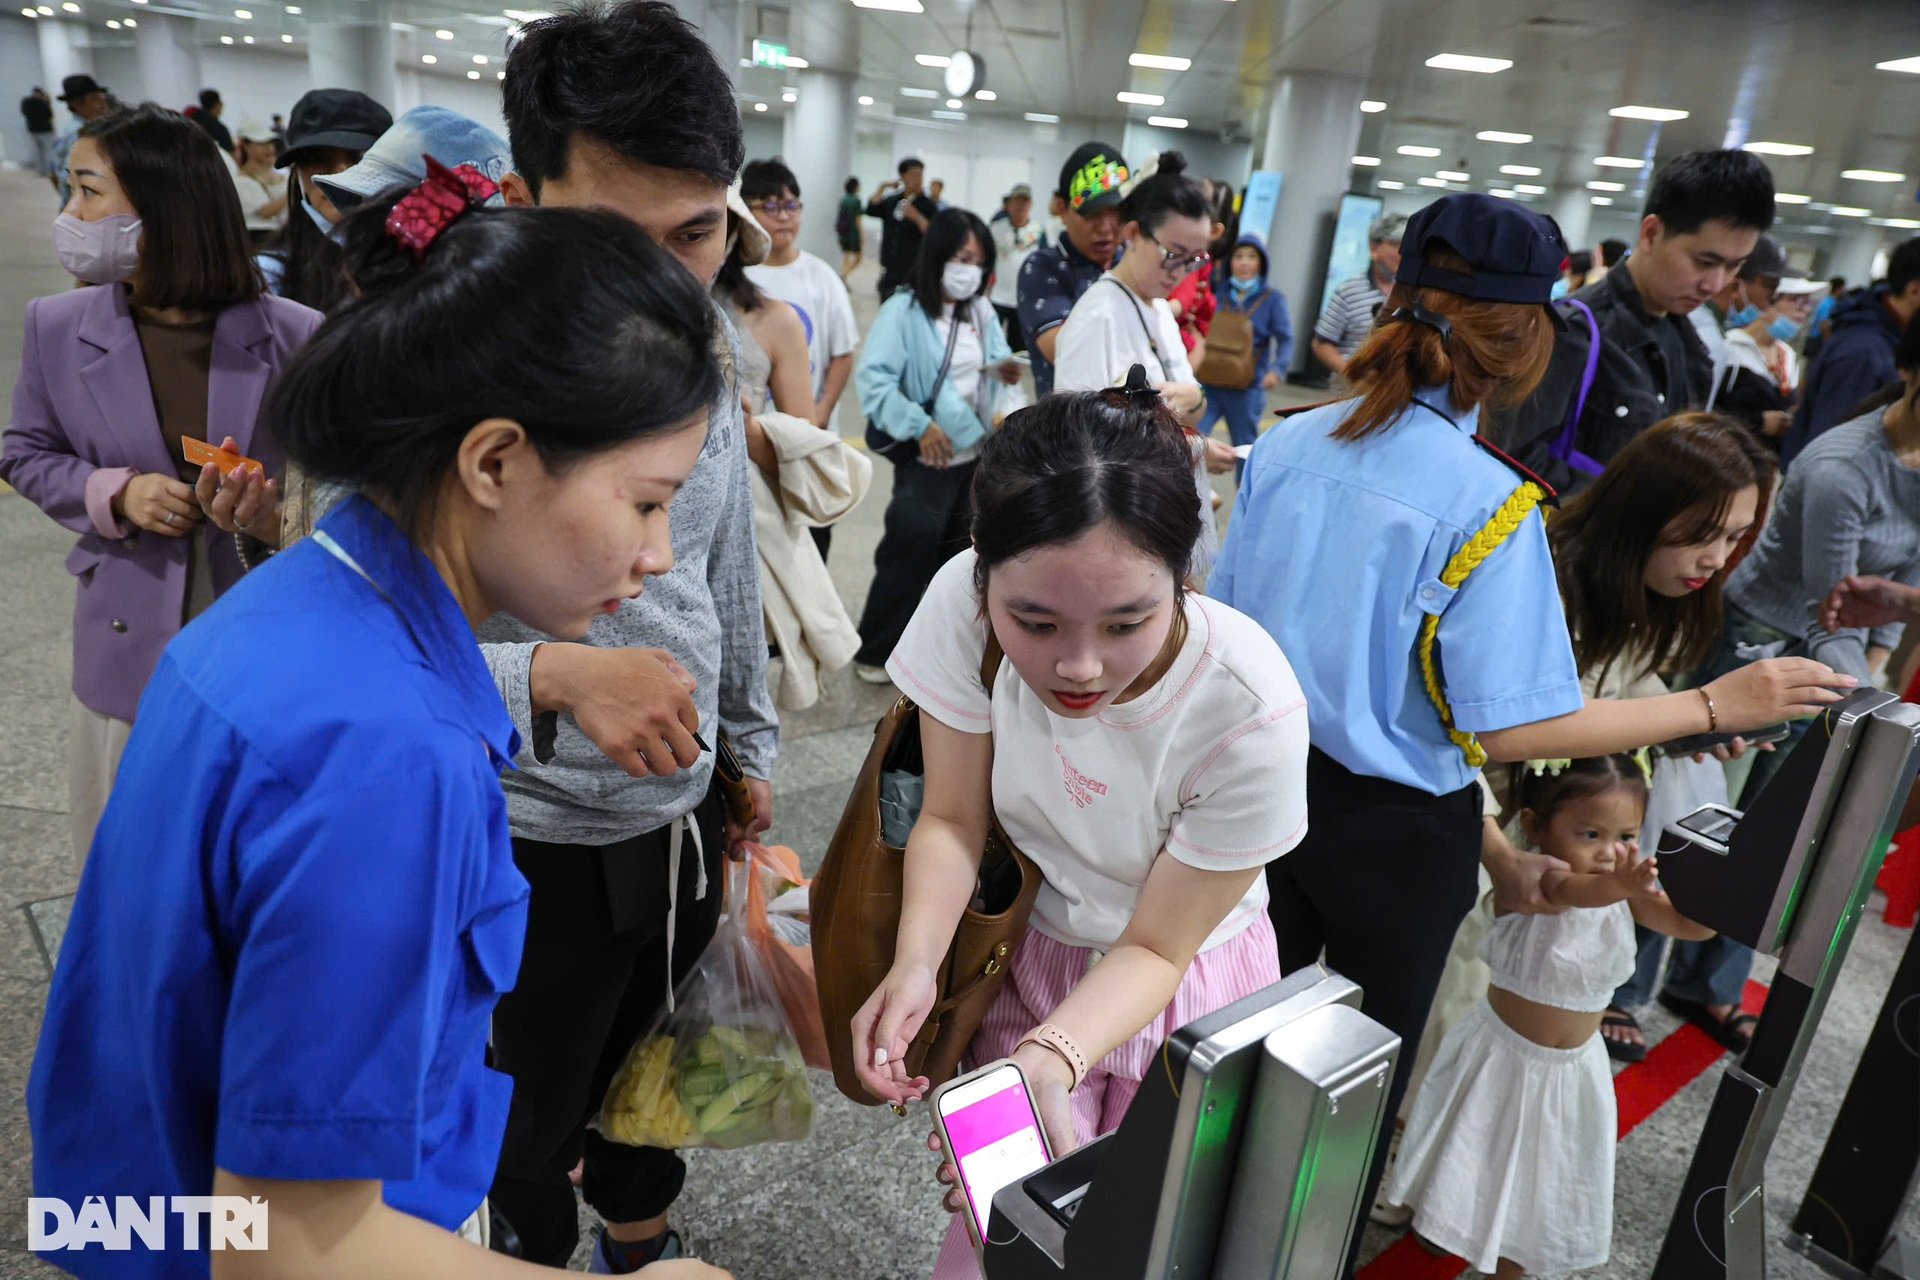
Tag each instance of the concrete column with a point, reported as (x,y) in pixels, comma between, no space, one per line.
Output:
(1573,210)
(722,24)
(1313,125)
(65,51)
(818,143)
(169,58)
(350,46)
(1854,250)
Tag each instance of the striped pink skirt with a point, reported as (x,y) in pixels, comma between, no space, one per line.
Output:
(1043,972)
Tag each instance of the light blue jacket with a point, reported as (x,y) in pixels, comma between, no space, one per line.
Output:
(898,364)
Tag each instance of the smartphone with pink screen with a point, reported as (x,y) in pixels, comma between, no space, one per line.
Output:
(992,1133)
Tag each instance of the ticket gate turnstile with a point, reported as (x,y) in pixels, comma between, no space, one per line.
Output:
(1848,1223)
(1244,1153)
(1789,877)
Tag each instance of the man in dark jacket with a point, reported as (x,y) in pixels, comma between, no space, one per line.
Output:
(1856,359)
(1704,214)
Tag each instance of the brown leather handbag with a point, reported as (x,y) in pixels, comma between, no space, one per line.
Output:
(855,909)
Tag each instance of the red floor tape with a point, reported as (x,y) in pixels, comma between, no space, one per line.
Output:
(1640,1090)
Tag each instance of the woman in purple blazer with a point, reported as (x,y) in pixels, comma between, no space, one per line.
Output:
(173,338)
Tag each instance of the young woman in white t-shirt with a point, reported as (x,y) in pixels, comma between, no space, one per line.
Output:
(1146,747)
(1124,319)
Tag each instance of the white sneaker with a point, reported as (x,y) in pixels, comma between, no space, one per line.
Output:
(866,673)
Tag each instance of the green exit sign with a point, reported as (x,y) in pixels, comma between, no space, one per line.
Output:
(768,54)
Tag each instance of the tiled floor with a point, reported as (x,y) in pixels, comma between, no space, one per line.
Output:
(856,1200)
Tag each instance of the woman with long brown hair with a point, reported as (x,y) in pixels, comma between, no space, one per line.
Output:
(1404,568)
(1643,557)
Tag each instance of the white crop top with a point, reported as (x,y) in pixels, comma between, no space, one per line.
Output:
(1574,961)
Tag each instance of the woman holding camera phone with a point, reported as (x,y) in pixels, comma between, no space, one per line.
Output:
(1144,747)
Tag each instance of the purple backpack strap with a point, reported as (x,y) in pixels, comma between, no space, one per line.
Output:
(1563,447)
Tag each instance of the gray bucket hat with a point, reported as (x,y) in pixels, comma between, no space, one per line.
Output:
(398,158)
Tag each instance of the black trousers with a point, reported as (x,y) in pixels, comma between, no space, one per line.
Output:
(592,978)
(891,278)
(1381,883)
(929,519)
(1010,322)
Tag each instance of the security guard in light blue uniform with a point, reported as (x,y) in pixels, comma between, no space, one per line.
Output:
(1403,567)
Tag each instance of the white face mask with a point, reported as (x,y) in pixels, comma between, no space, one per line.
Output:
(106,251)
(961,281)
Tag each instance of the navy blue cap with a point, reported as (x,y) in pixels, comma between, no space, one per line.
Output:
(1516,254)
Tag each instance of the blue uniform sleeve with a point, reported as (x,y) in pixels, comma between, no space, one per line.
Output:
(347,951)
(1505,657)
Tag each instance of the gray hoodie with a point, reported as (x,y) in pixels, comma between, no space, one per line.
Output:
(706,612)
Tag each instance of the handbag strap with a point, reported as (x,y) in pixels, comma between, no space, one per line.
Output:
(946,361)
(990,660)
(1141,316)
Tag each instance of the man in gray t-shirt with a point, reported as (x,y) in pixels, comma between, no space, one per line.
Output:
(1347,319)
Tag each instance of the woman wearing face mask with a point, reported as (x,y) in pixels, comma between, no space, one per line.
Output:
(1144,746)
(1246,293)
(1124,319)
(310,812)
(1762,380)
(329,131)
(262,188)
(173,340)
(936,377)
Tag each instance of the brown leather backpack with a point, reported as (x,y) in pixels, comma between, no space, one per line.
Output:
(1228,361)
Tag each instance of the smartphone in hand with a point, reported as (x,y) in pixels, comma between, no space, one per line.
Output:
(991,1129)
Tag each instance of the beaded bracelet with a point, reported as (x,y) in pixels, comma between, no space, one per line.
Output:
(1713,715)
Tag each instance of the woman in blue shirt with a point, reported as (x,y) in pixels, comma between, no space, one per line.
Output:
(1360,517)
(301,903)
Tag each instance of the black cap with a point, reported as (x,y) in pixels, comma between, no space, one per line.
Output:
(1516,254)
(1768,261)
(1090,180)
(344,118)
(74,88)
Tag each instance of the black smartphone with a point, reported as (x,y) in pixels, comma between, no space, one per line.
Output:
(1695,744)
(726,762)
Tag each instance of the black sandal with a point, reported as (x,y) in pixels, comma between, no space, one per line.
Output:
(1735,1032)
(1622,1050)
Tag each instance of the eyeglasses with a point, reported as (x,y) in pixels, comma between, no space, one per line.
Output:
(778,208)
(1173,260)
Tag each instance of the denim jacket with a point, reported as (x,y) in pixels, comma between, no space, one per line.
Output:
(900,360)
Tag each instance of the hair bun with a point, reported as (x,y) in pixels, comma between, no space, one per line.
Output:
(1172,164)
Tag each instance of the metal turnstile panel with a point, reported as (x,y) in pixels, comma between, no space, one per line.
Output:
(1317,1109)
(1746,875)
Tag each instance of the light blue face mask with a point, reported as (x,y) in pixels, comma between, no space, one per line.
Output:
(1243,289)
(1741,317)
(1783,329)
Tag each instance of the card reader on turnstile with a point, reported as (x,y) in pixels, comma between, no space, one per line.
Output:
(1243,1154)
(1790,876)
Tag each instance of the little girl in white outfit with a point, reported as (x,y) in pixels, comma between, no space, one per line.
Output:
(1507,1160)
